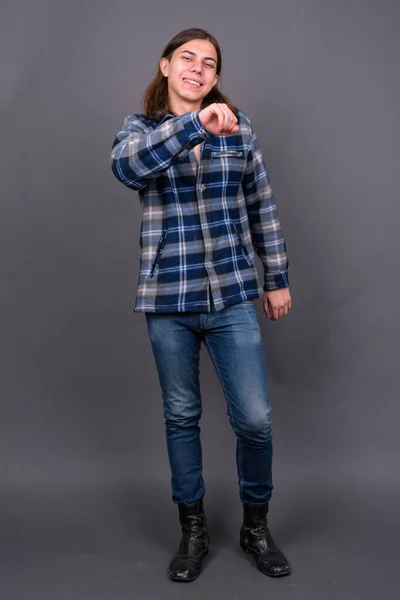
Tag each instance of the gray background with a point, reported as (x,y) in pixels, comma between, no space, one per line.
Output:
(86,509)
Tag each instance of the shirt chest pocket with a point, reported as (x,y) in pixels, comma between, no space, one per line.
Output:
(215,154)
(231,161)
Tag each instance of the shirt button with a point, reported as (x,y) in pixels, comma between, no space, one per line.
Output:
(202,187)
(209,263)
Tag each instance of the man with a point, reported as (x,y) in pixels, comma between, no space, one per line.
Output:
(207,209)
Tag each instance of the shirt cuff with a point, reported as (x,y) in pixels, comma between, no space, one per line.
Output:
(274,281)
(194,127)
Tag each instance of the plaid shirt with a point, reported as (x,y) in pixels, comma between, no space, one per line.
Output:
(202,223)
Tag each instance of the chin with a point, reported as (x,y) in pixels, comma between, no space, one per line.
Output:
(192,98)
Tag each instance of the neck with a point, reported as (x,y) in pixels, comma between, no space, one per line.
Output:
(178,106)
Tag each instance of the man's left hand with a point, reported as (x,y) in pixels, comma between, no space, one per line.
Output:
(277,303)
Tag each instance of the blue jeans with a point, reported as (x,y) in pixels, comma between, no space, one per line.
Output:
(233,340)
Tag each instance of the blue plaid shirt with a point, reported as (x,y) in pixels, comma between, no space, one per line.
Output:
(202,223)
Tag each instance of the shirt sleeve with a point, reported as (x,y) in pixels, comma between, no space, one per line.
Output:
(266,230)
(140,153)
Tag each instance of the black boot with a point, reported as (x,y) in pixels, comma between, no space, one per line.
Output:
(255,537)
(186,564)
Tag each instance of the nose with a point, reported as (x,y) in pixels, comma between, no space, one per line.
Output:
(197,66)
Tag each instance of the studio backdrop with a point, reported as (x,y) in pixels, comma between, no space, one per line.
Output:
(81,406)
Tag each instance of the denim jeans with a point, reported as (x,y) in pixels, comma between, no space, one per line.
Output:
(233,340)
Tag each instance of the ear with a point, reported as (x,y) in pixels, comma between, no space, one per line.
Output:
(164,64)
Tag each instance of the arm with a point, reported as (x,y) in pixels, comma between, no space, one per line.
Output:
(267,236)
(140,153)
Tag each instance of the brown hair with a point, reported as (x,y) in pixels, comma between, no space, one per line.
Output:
(155,98)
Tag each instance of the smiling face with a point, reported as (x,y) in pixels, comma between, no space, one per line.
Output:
(191,74)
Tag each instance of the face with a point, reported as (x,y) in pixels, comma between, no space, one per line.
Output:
(191,71)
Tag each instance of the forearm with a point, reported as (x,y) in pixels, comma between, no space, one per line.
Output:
(140,154)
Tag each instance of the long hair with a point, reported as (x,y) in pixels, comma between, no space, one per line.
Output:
(155,98)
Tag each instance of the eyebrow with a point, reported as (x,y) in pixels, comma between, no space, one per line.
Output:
(194,54)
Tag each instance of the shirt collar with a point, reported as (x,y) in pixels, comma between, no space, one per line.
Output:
(167,116)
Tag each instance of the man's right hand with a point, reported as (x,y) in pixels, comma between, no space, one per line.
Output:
(218,119)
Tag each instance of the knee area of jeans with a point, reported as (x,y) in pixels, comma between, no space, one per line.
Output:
(256,431)
(181,418)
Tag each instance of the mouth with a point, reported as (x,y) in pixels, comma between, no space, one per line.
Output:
(193,83)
